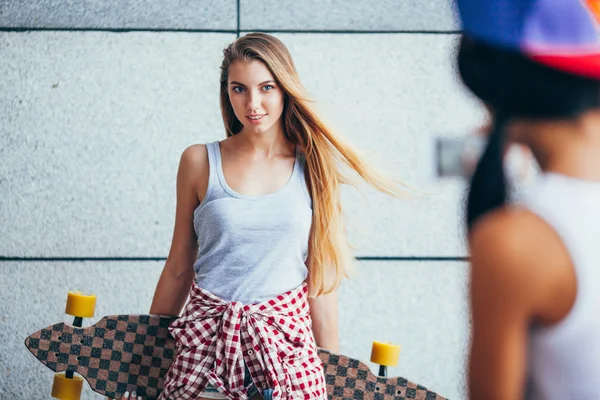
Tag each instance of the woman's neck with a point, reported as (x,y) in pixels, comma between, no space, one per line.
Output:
(265,143)
(570,148)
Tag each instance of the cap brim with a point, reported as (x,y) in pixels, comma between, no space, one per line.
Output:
(584,65)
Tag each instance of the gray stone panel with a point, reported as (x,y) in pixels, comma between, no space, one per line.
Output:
(115,14)
(421,306)
(348,15)
(92,129)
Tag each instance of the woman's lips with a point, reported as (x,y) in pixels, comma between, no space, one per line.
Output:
(255,119)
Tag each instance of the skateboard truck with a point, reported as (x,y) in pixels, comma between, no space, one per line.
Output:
(385,355)
(67,386)
(350,378)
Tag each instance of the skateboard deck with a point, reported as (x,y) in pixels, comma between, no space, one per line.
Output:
(348,378)
(133,353)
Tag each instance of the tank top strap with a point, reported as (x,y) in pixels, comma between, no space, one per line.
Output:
(213,153)
(214,189)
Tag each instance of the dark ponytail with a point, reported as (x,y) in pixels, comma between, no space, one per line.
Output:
(487,190)
(513,86)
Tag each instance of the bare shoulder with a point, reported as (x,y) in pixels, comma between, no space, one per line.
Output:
(194,169)
(195,154)
(514,251)
(194,160)
(510,229)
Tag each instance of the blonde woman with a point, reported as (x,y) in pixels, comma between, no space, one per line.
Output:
(259,244)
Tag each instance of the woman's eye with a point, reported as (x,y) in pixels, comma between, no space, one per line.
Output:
(238,89)
(268,87)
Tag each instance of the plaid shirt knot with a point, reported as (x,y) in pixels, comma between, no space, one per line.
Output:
(217,341)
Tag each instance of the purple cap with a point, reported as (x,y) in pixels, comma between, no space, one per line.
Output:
(563,34)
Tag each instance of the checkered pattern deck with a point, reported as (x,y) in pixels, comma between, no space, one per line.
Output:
(119,353)
(349,379)
(133,352)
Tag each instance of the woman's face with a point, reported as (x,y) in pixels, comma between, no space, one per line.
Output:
(256,98)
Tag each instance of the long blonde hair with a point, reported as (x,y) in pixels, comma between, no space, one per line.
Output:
(330,256)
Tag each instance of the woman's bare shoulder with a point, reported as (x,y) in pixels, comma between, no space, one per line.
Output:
(195,152)
(512,248)
(194,167)
(194,158)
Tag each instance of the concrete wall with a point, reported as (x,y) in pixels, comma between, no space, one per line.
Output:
(99,98)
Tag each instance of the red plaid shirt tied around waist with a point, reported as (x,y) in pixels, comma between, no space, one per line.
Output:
(216,340)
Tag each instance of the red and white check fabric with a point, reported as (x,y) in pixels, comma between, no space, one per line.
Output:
(216,340)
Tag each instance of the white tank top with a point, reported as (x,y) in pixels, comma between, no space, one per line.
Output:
(564,360)
(252,248)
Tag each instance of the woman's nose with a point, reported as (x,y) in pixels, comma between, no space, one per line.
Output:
(253,101)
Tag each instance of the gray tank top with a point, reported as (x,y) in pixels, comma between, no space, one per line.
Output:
(252,248)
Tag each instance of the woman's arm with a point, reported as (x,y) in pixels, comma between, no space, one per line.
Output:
(516,262)
(178,274)
(324,314)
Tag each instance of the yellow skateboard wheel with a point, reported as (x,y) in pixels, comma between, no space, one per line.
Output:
(65,388)
(385,354)
(80,305)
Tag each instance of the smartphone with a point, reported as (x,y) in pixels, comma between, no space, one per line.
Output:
(458,157)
